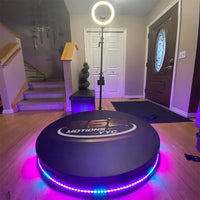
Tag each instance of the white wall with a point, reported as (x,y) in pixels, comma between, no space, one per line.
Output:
(135,50)
(188,43)
(6,36)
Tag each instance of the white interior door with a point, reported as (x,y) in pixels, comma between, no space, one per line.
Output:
(113,61)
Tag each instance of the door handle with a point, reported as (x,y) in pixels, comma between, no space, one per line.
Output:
(169,67)
(171,61)
(171,64)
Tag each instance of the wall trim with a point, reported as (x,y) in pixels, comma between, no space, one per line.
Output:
(67,108)
(176,110)
(8,111)
(183,113)
(134,96)
(192,115)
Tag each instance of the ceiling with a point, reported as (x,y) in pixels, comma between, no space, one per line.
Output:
(122,7)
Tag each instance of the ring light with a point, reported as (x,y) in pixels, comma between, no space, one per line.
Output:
(100,3)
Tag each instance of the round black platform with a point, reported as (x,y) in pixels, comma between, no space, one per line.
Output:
(95,149)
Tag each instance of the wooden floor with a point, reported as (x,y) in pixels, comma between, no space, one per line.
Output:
(176,178)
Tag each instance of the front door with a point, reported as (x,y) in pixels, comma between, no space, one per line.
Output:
(161,52)
(113,61)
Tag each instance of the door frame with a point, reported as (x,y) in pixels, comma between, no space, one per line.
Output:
(114,30)
(176,47)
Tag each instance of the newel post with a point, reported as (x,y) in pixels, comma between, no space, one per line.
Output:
(66,58)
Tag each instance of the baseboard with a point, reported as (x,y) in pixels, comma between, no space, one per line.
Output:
(8,111)
(68,109)
(192,115)
(183,113)
(134,96)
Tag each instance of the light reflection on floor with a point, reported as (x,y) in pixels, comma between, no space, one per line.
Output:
(37,188)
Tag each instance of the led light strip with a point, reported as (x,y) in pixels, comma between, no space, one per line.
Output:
(100,191)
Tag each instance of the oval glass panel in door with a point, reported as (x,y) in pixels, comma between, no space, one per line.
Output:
(160,49)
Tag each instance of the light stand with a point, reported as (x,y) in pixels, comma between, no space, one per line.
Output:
(101,80)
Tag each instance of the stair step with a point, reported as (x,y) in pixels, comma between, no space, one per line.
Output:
(41,100)
(46,84)
(42,95)
(29,69)
(55,92)
(45,89)
(35,79)
(32,73)
(41,104)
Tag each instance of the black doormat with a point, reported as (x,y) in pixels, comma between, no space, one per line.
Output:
(149,111)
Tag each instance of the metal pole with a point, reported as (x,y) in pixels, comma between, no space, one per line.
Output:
(101,81)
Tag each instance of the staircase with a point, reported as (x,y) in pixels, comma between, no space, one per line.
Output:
(32,73)
(43,96)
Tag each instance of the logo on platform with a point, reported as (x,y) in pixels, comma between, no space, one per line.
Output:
(97,128)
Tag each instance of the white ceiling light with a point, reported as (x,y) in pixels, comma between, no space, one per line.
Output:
(103,3)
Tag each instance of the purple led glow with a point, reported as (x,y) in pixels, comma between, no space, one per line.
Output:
(100,191)
(82,107)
